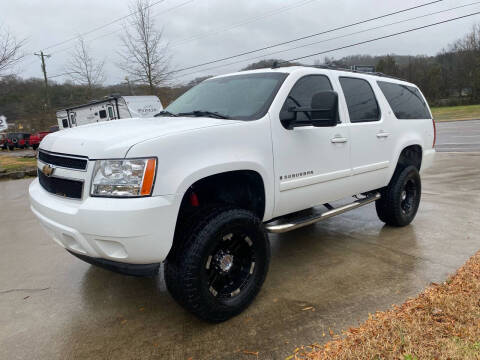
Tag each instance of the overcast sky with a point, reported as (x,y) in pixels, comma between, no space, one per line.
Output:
(202,30)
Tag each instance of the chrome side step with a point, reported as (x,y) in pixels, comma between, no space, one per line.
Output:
(293,224)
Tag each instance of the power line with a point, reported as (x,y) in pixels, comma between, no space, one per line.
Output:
(330,39)
(118,30)
(63,74)
(243,22)
(381,37)
(101,27)
(303,37)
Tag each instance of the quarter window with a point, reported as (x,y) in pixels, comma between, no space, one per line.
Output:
(303,91)
(361,102)
(102,114)
(405,101)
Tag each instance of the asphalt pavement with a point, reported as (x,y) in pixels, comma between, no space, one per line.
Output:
(458,136)
(328,276)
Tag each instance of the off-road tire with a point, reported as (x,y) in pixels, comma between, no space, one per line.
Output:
(401,198)
(187,266)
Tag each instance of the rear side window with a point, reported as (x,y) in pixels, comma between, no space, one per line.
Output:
(302,92)
(103,114)
(361,101)
(405,101)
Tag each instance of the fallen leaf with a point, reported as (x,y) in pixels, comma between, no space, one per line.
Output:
(307,308)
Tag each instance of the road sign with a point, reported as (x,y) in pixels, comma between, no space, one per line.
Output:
(364,68)
(3,123)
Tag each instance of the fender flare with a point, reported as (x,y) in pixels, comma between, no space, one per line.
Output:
(217,169)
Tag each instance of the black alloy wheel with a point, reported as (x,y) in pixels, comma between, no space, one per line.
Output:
(230,265)
(401,198)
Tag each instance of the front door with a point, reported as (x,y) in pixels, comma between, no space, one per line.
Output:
(312,164)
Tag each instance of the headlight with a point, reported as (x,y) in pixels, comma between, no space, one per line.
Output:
(123,178)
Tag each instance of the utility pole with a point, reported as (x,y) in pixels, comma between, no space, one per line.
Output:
(129,85)
(44,70)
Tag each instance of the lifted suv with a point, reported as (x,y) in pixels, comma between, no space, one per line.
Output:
(199,186)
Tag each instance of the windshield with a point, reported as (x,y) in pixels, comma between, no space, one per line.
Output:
(243,97)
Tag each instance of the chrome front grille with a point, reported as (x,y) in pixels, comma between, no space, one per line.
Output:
(62,174)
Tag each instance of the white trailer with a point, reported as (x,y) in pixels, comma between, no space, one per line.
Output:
(110,108)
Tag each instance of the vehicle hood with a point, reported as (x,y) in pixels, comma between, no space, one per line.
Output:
(113,139)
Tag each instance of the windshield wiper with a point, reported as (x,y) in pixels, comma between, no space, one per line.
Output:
(199,113)
(165,113)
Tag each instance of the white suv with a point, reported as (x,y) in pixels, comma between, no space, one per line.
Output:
(199,186)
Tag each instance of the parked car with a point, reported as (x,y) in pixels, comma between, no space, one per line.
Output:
(235,157)
(17,140)
(3,141)
(35,139)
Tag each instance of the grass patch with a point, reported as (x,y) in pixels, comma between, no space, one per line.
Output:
(14,163)
(441,323)
(468,112)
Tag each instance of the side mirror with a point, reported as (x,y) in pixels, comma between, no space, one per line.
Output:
(324,108)
(323,112)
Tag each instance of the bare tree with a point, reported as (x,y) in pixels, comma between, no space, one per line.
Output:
(10,51)
(83,69)
(145,54)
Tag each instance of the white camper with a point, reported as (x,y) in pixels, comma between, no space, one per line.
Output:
(110,108)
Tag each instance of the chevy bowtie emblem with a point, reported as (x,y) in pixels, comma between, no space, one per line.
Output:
(47,170)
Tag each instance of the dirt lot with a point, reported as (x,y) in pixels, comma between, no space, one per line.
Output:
(326,277)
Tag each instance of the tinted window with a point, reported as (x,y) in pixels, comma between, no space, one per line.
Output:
(103,114)
(110,112)
(405,101)
(65,123)
(243,97)
(302,92)
(361,102)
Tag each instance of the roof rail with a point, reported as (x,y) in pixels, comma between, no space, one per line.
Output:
(338,68)
(277,65)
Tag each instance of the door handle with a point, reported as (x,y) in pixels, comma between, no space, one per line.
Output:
(338,140)
(382,134)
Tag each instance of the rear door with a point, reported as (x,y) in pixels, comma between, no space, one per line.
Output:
(371,134)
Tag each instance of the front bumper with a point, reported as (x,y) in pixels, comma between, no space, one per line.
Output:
(132,231)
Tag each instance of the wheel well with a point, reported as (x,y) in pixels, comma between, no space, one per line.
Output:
(242,188)
(411,155)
